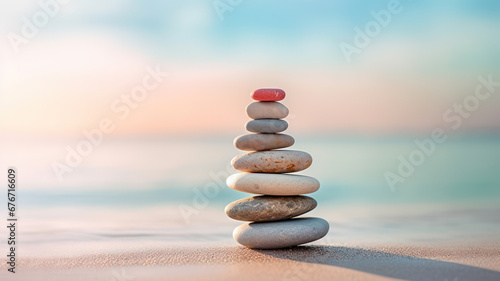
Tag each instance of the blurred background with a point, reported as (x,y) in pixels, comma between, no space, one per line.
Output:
(68,67)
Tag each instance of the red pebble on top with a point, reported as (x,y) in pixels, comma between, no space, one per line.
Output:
(268,95)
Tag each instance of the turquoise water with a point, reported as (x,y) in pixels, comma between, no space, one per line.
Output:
(151,193)
(149,172)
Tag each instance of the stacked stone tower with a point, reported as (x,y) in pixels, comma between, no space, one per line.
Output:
(266,171)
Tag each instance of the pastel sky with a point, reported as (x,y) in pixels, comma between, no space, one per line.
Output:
(91,53)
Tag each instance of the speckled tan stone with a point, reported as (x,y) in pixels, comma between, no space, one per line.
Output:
(274,161)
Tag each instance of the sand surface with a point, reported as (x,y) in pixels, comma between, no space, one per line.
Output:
(441,242)
(316,262)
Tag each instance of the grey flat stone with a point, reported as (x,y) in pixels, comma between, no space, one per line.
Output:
(266,126)
(259,142)
(269,208)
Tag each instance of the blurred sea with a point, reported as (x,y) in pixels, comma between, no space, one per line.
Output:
(134,194)
(158,171)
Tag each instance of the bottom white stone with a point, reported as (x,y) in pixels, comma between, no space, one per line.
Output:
(280,234)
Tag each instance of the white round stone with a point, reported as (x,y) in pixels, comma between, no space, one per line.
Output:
(280,234)
(273,184)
